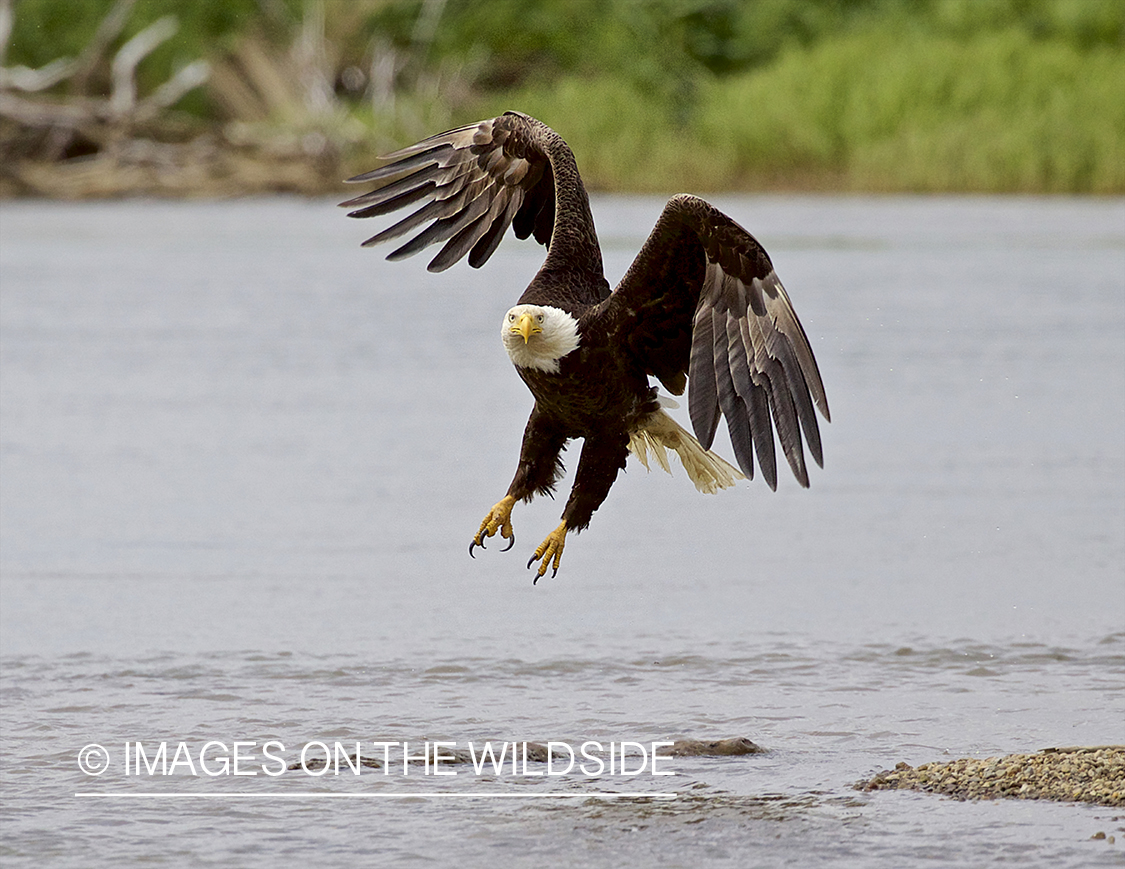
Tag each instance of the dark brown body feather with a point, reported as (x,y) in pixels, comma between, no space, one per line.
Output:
(700,307)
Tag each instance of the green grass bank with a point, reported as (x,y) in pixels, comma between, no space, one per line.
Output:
(222,97)
(874,111)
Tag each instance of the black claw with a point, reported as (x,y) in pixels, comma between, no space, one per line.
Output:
(473,543)
(511,543)
(538,576)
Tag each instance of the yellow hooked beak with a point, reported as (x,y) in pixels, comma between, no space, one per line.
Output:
(527,327)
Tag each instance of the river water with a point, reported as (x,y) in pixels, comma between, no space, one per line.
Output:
(243,458)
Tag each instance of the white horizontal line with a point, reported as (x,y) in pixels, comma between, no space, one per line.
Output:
(396,796)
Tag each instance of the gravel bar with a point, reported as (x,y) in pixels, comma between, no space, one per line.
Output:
(1094,774)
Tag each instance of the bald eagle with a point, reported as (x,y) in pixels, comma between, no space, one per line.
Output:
(700,307)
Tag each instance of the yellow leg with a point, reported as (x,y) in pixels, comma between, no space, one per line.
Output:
(552,546)
(499,518)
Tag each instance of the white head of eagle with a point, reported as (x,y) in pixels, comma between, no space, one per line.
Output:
(538,336)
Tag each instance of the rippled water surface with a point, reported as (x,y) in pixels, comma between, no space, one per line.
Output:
(242,460)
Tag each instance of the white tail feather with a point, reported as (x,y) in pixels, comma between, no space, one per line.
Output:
(660,433)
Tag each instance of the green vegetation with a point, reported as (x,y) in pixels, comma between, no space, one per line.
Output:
(870,111)
(663,95)
(44,30)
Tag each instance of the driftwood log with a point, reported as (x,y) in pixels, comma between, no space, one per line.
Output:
(80,127)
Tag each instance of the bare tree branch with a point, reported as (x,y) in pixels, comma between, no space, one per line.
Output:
(22,78)
(109,29)
(5,28)
(190,76)
(40,114)
(123,99)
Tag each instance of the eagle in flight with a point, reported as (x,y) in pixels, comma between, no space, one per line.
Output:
(700,308)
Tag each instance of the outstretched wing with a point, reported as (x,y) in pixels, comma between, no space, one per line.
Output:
(702,300)
(475,182)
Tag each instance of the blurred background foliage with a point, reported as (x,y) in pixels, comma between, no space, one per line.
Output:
(653,95)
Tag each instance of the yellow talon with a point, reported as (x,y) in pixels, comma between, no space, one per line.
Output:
(499,518)
(552,546)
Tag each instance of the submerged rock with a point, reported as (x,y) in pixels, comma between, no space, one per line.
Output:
(536,752)
(315,763)
(718,748)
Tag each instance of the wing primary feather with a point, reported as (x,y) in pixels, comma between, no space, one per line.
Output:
(442,229)
(456,247)
(436,183)
(738,422)
(400,201)
(491,221)
(437,211)
(703,402)
(781,310)
(756,400)
(799,391)
(486,246)
(449,137)
(464,176)
(724,384)
(785,421)
(401,167)
(762,431)
(789,429)
(429,211)
(767,342)
(432,174)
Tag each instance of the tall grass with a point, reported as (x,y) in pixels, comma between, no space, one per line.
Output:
(999,112)
(874,110)
(654,95)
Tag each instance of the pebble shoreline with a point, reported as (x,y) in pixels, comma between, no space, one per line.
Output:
(1093,774)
